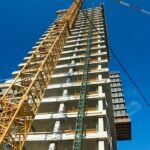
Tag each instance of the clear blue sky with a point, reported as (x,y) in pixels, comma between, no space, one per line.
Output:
(22,22)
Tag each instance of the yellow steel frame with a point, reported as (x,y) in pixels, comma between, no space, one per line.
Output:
(19,104)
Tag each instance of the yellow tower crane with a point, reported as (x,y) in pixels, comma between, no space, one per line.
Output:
(19,104)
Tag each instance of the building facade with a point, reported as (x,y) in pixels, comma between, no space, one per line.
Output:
(122,121)
(55,124)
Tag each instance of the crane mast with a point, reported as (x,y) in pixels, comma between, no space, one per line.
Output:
(20,102)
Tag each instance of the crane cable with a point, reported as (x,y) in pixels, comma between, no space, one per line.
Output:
(119,62)
(121,2)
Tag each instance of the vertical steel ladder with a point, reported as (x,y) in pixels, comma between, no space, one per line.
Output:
(77,145)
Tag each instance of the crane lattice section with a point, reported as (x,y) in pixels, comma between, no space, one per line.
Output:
(19,104)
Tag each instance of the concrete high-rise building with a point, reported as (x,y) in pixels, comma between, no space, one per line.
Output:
(85,53)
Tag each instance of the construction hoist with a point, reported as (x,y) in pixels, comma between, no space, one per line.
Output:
(77,145)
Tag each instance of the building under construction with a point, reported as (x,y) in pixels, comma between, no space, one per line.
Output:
(64,97)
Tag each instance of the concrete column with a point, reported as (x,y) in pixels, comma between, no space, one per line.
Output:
(78,39)
(99,51)
(101,145)
(99,67)
(61,108)
(100,77)
(77,43)
(74,55)
(73,62)
(99,58)
(76,49)
(99,36)
(56,126)
(100,102)
(71,70)
(100,105)
(52,146)
(100,124)
(100,90)
(65,92)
